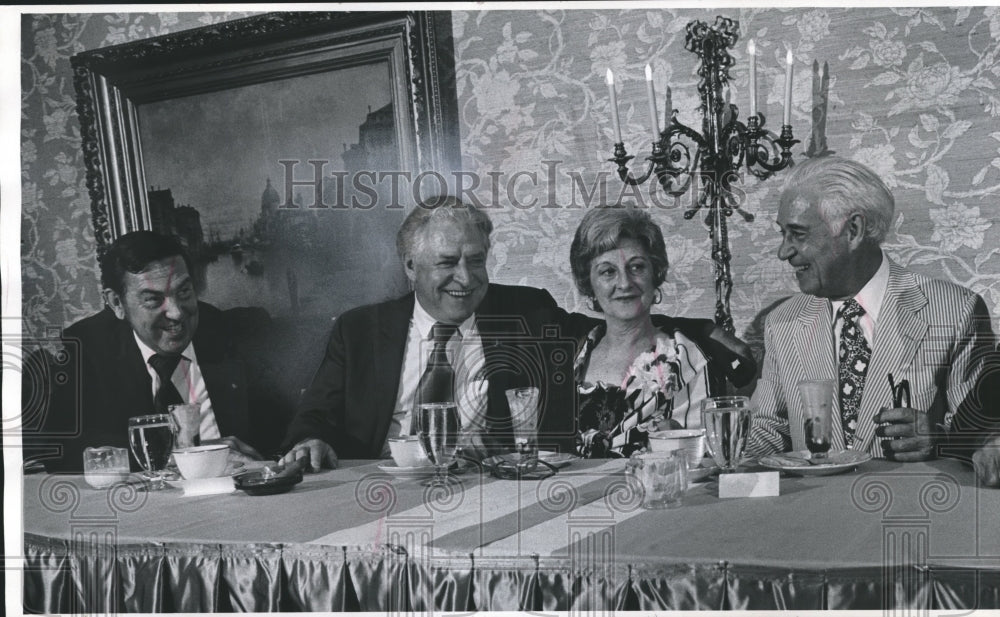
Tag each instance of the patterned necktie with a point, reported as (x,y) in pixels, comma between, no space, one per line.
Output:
(855,355)
(437,384)
(167,394)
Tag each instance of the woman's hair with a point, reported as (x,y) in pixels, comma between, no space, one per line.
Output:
(602,229)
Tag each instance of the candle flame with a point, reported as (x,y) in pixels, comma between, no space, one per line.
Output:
(649,73)
(751,48)
(610,77)
(788,57)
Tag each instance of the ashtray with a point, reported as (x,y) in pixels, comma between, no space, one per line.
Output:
(264,482)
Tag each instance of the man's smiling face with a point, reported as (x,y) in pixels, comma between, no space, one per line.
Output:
(822,259)
(160,304)
(447,267)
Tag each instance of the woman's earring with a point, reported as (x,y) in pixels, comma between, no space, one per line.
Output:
(594,306)
(657,296)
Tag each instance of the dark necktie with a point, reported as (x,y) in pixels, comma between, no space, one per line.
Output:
(437,384)
(855,355)
(167,394)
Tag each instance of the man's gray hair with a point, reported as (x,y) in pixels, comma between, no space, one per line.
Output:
(840,187)
(441,207)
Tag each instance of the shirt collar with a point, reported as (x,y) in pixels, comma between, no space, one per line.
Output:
(873,293)
(424,322)
(147,352)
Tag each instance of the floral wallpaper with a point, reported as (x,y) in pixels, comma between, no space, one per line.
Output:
(911,92)
(59,273)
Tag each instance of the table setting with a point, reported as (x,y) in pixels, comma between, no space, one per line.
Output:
(510,532)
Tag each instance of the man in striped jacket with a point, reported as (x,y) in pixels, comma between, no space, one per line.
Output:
(871,325)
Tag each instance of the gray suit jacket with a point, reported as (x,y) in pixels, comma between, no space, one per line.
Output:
(933,333)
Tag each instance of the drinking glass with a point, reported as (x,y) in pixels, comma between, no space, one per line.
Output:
(817,412)
(151,439)
(188,420)
(523,403)
(105,466)
(438,428)
(662,476)
(727,423)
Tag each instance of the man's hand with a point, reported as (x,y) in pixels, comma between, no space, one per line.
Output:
(986,460)
(319,452)
(238,450)
(909,434)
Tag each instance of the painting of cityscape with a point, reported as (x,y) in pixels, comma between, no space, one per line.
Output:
(262,183)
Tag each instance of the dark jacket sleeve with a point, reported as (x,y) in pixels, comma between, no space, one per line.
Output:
(321,408)
(729,358)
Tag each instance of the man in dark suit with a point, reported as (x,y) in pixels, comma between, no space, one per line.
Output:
(500,337)
(870,325)
(153,345)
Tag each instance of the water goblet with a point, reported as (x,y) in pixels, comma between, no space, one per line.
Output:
(438,428)
(727,423)
(151,439)
(817,412)
(523,403)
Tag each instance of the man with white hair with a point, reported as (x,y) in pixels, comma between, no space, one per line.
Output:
(875,328)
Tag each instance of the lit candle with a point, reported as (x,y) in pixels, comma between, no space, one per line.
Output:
(788,88)
(651,94)
(615,123)
(668,115)
(752,52)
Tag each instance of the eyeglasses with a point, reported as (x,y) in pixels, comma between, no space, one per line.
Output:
(900,392)
(505,469)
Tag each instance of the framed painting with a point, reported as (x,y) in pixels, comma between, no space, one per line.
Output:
(284,149)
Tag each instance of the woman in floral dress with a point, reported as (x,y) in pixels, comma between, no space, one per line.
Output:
(632,376)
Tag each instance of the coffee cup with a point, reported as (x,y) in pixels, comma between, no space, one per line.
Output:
(202,461)
(407,452)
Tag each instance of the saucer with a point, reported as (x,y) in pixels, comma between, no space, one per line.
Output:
(204,486)
(420,471)
(801,463)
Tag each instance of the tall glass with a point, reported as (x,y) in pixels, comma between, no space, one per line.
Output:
(817,413)
(438,428)
(726,420)
(523,403)
(151,439)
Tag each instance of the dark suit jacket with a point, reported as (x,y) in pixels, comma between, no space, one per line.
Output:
(351,399)
(527,340)
(100,381)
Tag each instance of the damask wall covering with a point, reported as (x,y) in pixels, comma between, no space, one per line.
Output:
(912,93)
(59,274)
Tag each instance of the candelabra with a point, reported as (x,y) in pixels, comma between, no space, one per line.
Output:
(715,156)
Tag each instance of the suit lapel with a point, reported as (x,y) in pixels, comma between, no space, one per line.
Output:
(814,344)
(224,379)
(135,387)
(387,366)
(898,333)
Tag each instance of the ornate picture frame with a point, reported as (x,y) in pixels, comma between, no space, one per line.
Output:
(114,83)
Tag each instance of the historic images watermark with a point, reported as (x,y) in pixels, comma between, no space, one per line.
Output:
(546,187)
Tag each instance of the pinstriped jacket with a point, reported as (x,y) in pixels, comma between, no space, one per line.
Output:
(933,333)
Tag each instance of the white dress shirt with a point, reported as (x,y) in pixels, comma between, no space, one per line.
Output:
(870,298)
(190,383)
(465,353)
